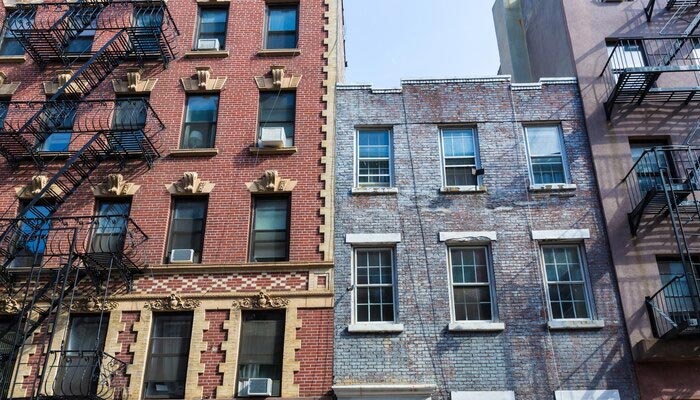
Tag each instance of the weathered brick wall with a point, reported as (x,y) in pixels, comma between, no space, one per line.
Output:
(316,353)
(525,357)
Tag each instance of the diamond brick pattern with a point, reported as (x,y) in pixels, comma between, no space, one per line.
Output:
(222,282)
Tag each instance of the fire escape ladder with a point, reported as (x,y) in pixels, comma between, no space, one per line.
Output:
(649,9)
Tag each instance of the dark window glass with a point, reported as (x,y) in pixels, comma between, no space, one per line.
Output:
(212,25)
(127,125)
(374,280)
(79,365)
(84,18)
(649,170)
(110,226)
(18,20)
(282,27)
(261,348)
(148,23)
(32,236)
(277,112)
(166,368)
(566,282)
(471,283)
(57,125)
(187,225)
(270,236)
(200,122)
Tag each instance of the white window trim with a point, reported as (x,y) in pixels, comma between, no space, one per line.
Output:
(374,326)
(483,395)
(445,188)
(561,234)
(473,325)
(586,395)
(356,164)
(382,392)
(564,159)
(468,237)
(369,239)
(571,323)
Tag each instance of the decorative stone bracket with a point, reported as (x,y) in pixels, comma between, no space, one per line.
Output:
(203,82)
(278,79)
(261,301)
(134,83)
(115,185)
(271,182)
(172,303)
(35,186)
(63,76)
(190,184)
(92,304)
(8,305)
(7,89)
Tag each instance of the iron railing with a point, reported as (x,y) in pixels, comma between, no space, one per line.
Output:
(673,308)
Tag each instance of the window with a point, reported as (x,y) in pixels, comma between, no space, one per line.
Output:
(281,32)
(78,372)
(19,19)
(270,235)
(110,226)
(277,112)
(566,282)
(166,367)
(58,118)
(187,220)
(546,152)
(649,170)
(200,122)
(84,18)
(261,349)
(459,156)
(627,54)
(677,295)
(472,291)
(33,234)
(374,158)
(212,26)
(374,285)
(128,123)
(150,20)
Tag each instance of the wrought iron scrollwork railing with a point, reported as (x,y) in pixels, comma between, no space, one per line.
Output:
(85,374)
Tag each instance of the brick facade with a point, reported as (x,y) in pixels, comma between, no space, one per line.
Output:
(525,357)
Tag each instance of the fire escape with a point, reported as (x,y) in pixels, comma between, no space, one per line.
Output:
(50,263)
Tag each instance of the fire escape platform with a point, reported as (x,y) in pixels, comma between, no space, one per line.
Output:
(654,203)
(658,350)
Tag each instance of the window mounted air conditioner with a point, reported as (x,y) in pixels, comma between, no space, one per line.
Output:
(181,256)
(259,387)
(208,44)
(272,137)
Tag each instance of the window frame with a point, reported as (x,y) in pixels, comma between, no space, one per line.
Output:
(562,149)
(185,135)
(198,26)
(443,157)
(266,30)
(149,350)
(356,286)
(169,240)
(289,141)
(283,313)
(121,130)
(357,159)
(61,129)
(252,241)
(8,35)
(587,290)
(490,284)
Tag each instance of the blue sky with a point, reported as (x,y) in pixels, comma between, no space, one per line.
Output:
(390,40)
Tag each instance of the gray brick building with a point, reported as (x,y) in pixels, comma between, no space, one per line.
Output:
(470,250)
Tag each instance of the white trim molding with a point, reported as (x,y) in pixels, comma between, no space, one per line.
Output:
(475,326)
(586,395)
(372,238)
(469,237)
(567,324)
(561,234)
(384,392)
(483,395)
(375,327)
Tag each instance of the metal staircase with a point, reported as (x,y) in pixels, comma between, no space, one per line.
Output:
(662,188)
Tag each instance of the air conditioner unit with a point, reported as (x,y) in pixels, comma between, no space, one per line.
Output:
(181,256)
(259,387)
(208,44)
(272,136)
(693,322)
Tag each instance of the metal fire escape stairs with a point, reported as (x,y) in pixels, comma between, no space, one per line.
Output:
(44,287)
(663,187)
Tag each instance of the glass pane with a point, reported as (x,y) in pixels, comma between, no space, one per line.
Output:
(212,24)
(202,108)
(458,142)
(168,353)
(283,18)
(544,141)
(277,107)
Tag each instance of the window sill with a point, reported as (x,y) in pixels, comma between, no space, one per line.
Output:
(553,187)
(50,155)
(571,324)
(476,326)
(463,189)
(272,150)
(375,327)
(12,59)
(208,152)
(206,54)
(375,190)
(279,52)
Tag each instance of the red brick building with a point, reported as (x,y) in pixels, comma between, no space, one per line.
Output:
(166,198)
